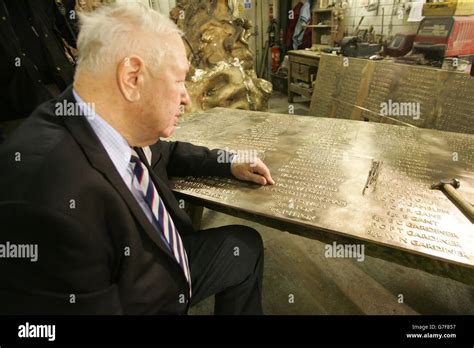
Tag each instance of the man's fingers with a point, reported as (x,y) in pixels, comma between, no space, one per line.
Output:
(263,170)
(256,172)
(256,178)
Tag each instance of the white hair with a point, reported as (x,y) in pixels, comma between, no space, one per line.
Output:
(113,32)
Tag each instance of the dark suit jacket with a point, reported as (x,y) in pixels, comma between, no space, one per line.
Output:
(97,252)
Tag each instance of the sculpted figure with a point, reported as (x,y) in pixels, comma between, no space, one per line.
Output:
(221,73)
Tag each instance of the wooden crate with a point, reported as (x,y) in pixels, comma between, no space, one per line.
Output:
(449,8)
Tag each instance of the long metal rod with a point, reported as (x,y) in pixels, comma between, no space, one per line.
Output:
(459,201)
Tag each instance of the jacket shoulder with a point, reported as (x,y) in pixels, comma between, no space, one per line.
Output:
(40,151)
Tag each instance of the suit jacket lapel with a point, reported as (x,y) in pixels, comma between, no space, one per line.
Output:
(99,159)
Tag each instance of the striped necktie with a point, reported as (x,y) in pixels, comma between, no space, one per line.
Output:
(160,215)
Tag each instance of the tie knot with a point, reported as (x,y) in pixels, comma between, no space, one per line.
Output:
(136,164)
(134,157)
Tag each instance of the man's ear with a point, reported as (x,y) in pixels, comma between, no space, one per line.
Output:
(130,77)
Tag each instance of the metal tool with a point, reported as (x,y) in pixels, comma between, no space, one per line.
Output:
(373,175)
(449,187)
(383,25)
(358,26)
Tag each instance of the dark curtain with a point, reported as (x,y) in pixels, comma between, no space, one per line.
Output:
(285,8)
(34,39)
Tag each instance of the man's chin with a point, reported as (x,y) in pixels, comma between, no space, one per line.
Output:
(168,133)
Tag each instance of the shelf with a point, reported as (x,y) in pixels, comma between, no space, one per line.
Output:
(307,92)
(320,26)
(323,24)
(323,10)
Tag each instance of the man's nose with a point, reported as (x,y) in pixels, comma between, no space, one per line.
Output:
(185,98)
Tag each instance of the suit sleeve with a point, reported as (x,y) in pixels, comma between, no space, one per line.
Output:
(66,276)
(185,159)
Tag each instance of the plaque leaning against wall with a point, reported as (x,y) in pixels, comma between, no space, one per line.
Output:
(394,93)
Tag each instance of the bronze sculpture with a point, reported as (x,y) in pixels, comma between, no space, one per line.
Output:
(222,71)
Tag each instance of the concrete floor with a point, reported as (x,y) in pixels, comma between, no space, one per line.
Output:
(295,268)
(278,103)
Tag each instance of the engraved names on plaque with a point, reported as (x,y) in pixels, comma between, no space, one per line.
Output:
(414,218)
(380,89)
(456,103)
(309,182)
(324,91)
(351,75)
(416,95)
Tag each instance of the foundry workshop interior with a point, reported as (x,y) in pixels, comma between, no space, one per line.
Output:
(361,110)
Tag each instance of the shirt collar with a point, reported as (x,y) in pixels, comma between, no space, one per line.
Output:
(114,143)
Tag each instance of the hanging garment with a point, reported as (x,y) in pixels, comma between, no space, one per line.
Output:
(304,19)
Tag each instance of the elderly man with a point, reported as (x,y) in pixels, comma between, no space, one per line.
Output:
(85,181)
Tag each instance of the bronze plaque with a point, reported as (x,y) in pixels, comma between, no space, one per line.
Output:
(323,98)
(455,112)
(351,75)
(321,167)
(387,92)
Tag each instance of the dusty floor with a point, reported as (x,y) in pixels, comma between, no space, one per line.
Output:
(299,280)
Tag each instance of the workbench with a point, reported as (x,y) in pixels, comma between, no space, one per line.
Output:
(303,67)
(326,188)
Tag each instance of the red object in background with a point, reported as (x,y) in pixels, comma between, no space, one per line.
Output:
(307,39)
(275,58)
(440,37)
(290,31)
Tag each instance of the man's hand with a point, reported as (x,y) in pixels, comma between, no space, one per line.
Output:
(255,171)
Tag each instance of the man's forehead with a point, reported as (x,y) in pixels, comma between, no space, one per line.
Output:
(176,60)
(173,47)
